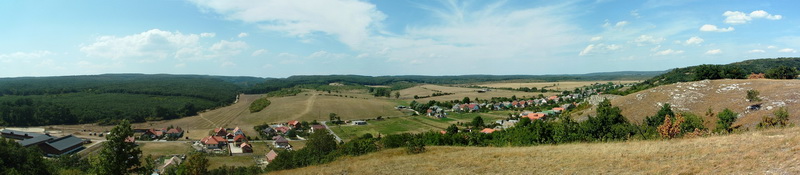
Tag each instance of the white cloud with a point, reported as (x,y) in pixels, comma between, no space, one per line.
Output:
(326,54)
(771,47)
(737,17)
(155,44)
(180,65)
(713,52)
(764,14)
(16,56)
(756,51)
(227,48)
(713,28)
(668,52)
(621,24)
(647,39)
(596,38)
(259,52)
(363,55)
(348,20)
(151,44)
(787,50)
(208,35)
(456,31)
(599,48)
(242,35)
(635,13)
(694,40)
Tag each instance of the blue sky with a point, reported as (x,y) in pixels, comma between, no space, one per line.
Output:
(269,38)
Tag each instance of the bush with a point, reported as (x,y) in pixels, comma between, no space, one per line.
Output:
(752,95)
(726,119)
(415,146)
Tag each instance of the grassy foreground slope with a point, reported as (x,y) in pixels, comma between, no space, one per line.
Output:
(761,152)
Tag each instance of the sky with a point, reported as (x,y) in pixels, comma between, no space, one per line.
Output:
(281,38)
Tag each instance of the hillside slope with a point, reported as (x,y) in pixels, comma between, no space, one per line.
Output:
(768,152)
(698,96)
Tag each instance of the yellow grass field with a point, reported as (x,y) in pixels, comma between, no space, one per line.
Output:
(164,148)
(762,152)
(567,85)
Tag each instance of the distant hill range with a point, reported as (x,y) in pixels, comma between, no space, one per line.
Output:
(276,84)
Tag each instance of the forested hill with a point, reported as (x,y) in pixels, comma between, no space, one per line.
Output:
(107,98)
(276,84)
(772,67)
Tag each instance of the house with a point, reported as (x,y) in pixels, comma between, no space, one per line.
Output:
(487,130)
(535,116)
(474,107)
(239,139)
(281,142)
(153,134)
(175,132)
(64,145)
(294,123)
(246,148)
(214,142)
(271,155)
(549,112)
(130,139)
(359,122)
(171,162)
(558,109)
(237,131)
(315,128)
(553,98)
(515,104)
(442,132)
(220,132)
(282,129)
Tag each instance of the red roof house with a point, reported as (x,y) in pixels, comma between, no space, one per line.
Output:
(246,148)
(220,132)
(294,123)
(271,155)
(487,130)
(214,141)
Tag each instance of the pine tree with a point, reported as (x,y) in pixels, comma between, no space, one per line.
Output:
(118,156)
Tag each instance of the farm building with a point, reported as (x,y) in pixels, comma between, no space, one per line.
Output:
(214,142)
(315,128)
(64,145)
(359,122)
(281,142)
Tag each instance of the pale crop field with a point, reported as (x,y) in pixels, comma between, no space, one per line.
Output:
(460,92)
(567,85)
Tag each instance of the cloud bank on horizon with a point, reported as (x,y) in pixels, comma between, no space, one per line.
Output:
(279,38)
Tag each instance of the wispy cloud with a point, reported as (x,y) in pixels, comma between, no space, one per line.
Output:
(713,28)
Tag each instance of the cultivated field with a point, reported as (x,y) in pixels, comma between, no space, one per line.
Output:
(164,148)
(567,85)
(459,93)
(761,152)
(697,97)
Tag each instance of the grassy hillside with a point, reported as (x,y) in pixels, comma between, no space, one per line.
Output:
(762,152)
(699,96)
(31,101)
(737,70)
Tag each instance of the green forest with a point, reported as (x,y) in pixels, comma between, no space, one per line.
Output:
(33,101)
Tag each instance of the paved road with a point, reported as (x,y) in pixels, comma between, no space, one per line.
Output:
(329,130)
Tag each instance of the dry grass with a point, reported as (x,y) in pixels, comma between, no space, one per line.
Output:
(567,85)
(164,148)
(697,97)
(763,152)
(235,161)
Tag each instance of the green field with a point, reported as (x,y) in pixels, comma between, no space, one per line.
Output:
(411,124)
